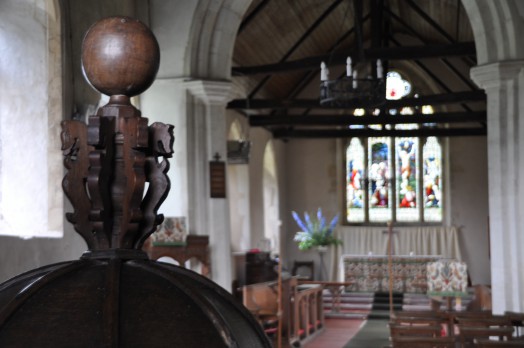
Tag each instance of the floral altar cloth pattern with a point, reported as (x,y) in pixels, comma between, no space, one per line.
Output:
(171,232)
(370,273)
(447,278)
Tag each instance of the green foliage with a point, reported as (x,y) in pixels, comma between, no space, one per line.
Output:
(315,232)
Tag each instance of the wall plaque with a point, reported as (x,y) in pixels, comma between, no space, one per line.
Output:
(217,174)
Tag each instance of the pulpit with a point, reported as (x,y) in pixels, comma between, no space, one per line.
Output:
(116,180)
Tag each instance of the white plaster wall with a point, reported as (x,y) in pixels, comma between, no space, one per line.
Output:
(31,110)
(165,102)
(279,146)
(259,139)
(311,183)
(31,68)
(171,21)
(468,185)
(238,188)
(25,122)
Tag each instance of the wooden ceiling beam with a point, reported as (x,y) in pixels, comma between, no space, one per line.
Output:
(286,133)
(430,73)
(339,58)
(435,25)
(303,38)
(430,20)
(252,15)
(435,99)
(446,62)
(344,120)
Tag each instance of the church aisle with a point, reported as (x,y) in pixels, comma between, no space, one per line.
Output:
(336,334)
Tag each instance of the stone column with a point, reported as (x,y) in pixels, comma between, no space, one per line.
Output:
(504,85)
(207,137)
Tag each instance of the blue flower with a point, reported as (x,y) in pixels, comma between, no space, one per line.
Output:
(315,232)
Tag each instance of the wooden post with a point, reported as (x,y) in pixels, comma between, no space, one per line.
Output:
(279,297)
(390,267)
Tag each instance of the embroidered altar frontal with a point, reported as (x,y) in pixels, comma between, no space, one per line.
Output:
(370,273)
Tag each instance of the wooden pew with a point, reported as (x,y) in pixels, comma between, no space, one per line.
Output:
(517,320)
(397,330)
(423,342)
(472,328)
(261,299)
(484,343)
(308,309)
(302,314)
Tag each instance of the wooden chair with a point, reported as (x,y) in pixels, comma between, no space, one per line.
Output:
(309,266)
(423,342)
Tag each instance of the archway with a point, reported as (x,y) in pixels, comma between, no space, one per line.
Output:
(500,58)
(238,193)
(271,199)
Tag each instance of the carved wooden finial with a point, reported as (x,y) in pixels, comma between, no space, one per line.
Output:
(110,160)
(120,56)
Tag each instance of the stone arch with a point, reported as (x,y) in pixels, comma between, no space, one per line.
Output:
(496,26)
(213,37)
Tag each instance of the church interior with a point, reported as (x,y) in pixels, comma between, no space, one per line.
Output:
(325,153)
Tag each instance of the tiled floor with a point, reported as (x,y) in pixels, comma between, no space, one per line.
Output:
(336,334)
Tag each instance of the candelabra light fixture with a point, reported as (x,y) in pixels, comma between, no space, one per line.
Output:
(351,90)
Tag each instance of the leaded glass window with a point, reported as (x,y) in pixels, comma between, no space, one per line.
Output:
(379,164)
(394,178)
(432,153)
(355,181)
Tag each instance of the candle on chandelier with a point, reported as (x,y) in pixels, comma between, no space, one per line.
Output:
(349,69)
(324,72)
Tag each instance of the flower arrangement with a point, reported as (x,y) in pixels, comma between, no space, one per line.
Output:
(315,232)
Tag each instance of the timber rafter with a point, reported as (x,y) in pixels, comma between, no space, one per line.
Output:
(287,133)
(436,99)
(341,120)
(384,53)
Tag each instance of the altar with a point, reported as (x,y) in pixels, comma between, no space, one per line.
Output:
(369,273)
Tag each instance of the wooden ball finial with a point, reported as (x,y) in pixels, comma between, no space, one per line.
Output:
(120,56)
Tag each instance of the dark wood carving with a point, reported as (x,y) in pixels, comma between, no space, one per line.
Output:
(114,296)
(76,151)
(110,160)
(217,179)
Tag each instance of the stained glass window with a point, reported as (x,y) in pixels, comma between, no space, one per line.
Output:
(407,179)
(355,181)
(432,154)
(379,164)
(394,178)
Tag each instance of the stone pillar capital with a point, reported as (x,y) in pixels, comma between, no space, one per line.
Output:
(493,75)
(210,92)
